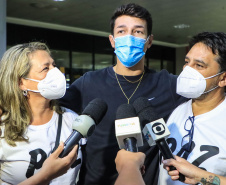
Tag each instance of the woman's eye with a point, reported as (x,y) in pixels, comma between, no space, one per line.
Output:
(46,68)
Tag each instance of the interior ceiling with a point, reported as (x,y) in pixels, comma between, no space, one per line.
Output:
(200,15)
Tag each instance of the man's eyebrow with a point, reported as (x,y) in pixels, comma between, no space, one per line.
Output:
(136,26)
(121,26)
(139,26)
(196,60)
(200,61)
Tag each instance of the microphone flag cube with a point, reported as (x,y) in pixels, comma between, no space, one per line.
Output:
(128,127)
(155,131)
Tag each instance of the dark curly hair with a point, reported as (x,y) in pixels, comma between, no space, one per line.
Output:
(133,10)
(216,41)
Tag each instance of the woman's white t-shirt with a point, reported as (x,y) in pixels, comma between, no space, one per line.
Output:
(26,158)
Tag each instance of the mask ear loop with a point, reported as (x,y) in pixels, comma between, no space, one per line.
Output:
(212,77)
(32,79)
(113,37)
(147,39)
(36,91)
(210,90)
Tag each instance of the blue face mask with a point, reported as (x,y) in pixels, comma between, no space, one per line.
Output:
(129,49)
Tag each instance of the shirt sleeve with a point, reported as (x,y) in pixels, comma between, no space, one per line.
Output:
(73,96)
(178,99)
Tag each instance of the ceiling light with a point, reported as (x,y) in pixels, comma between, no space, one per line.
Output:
(104,62)
(58,0)
(181,26)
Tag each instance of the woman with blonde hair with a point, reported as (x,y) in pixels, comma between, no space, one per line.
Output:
(31,121)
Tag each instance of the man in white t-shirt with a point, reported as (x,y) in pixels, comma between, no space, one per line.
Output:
(198,127)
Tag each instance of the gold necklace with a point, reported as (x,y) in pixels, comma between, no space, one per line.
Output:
(134,81)
(133,91)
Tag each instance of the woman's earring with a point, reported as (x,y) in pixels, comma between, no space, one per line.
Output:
(25,92)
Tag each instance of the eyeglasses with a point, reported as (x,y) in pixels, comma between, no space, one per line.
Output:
(187,139)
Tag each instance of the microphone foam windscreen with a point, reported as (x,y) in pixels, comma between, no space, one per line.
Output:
(144,110)
(96,109)
(125,111)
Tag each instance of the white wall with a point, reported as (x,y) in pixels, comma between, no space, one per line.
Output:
(2,27)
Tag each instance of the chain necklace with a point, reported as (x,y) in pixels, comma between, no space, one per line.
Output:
(131,82)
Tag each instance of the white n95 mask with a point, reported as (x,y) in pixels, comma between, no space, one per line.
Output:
(53,86)
(192,84)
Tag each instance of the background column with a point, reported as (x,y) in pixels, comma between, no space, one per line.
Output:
(2,27)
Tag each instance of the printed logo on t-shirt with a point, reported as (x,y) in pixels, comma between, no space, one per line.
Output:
(38,156)
(151,98)
(209,151)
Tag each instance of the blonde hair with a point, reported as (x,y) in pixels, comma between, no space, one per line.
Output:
(15,64)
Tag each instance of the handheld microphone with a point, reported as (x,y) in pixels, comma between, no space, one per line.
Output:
(127,128)
(155,130)
(84,124)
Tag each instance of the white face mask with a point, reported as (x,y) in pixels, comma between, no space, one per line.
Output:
(53,86)
(192,84)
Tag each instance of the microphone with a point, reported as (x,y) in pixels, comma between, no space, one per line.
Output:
(155,130)
(84,124)
(127,128)
(144,111)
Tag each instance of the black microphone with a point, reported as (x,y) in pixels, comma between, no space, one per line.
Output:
(155,130)
(84,124)
(127,128)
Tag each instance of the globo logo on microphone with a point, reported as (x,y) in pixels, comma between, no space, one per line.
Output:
(158,128)
(155,130)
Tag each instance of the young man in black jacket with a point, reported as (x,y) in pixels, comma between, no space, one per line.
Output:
(131,36)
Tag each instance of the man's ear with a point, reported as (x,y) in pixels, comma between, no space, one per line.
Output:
(149,41)
(222,82)
(111,39)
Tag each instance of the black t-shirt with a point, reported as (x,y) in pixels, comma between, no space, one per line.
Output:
(101,149)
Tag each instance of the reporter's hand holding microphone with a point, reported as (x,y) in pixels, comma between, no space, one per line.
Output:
(130,163)
(155,130)
(128,134)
